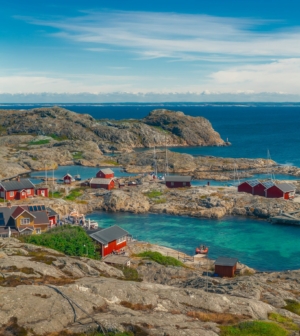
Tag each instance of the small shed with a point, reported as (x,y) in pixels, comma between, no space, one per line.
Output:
(281,190)
(105,173)
(42,191)
(110,239)
(119,260)
(248,186)
(103,183)
(225,266)
(68,179)
(259,189)
(177,181)
(53,217)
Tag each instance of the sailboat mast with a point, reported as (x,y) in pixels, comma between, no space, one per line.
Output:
(167,165)
(270,171)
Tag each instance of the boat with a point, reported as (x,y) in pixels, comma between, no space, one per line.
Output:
(202,249)
(77,177)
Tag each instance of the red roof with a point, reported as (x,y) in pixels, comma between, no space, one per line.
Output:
(19,210)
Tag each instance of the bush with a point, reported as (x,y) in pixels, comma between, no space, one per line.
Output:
(154,193)
(67,239)
(161,259)
(55,194)
(286,322)
(293,306)
(77,155)
(254,328)
(74,193)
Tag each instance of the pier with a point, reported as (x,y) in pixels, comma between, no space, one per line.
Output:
(287,218)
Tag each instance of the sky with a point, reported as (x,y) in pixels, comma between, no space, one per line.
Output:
(148,51)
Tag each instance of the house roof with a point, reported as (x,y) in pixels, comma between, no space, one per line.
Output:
(226,261)
(286,187)
(96,180)
(253,183)
(178,178)
(41,217)
(68,175)
(18,212)
(106,171)
(115,259)
(51,212)
(17,185)
(108,235)
(268,184)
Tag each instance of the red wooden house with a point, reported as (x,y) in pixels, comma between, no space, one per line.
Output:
(248,186)
(109,240)
(105,183)
(280,190)
(105,173)
(17,190)
(259,189)
(68,179)
(178,181)
(53,217)
(42,191)
(226,267)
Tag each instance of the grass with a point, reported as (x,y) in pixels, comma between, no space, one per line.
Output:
(74,193)
(55,194)
(58,137)
(160,201)
(153,193)
(254,328)
(293,306)
(77,155)
(38,142)
(286,322)
(111,162)
(220,318)
(161,259)
(130,274)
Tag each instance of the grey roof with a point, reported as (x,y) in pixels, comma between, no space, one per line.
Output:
(226,261)
(253,183)
(178,178)
(106,171)
(41,217)
(17,185)
(268,184)
(96,180)
(51,212)
(115,259)
(285,187)
(108,235)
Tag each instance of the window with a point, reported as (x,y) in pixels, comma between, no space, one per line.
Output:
(38,231)
(11,193)
(28,191)
(105,246)
(121,240)
(25,221)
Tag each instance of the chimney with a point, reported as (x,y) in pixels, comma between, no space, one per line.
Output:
(8,204)
(18,178)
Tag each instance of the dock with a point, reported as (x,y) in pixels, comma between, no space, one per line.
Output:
(287,218)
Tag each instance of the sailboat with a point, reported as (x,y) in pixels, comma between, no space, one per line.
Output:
(236,180)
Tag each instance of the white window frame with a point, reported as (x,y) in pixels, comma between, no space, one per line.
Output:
(38,231)
(11,193)
(121,240)
(27,221)
(28,191)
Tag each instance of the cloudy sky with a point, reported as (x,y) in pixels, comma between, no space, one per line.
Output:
(93,50)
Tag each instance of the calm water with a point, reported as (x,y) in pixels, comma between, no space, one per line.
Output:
(251,128)
(258,244)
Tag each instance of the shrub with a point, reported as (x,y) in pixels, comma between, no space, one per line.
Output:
(55,194)
(77,155)
(254,328)
(74,193)
(161,259)
(293,306)
(70,240)
(286,322)
(153,193)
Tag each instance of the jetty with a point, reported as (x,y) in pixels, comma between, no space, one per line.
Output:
(291,218)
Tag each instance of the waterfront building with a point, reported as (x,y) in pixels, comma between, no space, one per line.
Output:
(24,219)
(178,181)
(68,179)
(42,191)
(106,173)
(259,189)
(226,267)
(109,240)
(17,190)
(248,186)
(280,190)
(104,183)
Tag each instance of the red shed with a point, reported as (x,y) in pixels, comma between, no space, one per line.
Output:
(105,173)
(178,181)
(226,267)
(53,217)
(248,186)
(20,189)
(281,190)
(68,179)
(42,191)
(259,189)
(109,240)
(102,183)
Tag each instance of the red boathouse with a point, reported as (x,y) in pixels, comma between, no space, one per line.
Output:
(178,181)
(68,179)
(17,190)
(248,186)
(105,173)
(102,183)
(259,189)
(226,267)
(42,191)
(109,240)
(281,190)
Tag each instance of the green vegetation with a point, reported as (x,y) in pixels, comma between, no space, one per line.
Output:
(130,274)
(293,306)
(254,328)
(160,259)
(70,240)
(59,138)
(77,155)
(160,201)
(34,158)
(153,193)
(159,128)
(55,194)
(111,162)
(74,193)
(286,322)
(38,142)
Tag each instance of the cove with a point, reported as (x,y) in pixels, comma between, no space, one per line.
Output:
(256,243)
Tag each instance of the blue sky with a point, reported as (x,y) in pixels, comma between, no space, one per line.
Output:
(217,50)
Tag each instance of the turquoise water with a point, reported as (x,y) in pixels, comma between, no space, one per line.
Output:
(258,244)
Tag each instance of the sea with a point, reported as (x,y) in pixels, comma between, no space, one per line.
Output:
(252,128)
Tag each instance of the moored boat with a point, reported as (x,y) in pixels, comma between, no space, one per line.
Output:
(202,249)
